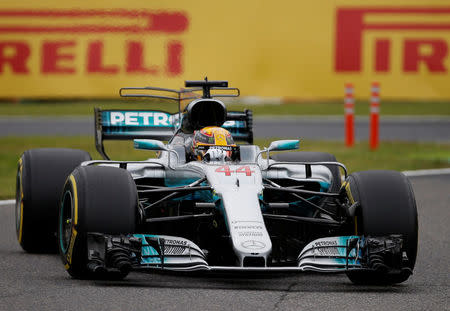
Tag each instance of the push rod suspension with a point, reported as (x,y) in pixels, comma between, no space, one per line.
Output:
(296,192)
(175,191)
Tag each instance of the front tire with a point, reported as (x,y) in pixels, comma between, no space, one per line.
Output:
(95,199)
(387,206)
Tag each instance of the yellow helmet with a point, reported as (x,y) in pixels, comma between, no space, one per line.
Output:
(212,137)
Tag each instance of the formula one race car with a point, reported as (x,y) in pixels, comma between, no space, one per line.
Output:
(208,204)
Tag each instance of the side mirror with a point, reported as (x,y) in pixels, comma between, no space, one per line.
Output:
(281,145)
(149,144)
(153,144)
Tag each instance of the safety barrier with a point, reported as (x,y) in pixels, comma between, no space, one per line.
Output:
(374,115)
(349,111)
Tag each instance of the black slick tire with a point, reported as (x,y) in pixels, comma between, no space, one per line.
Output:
(95,199)
(40,179)
(386,206)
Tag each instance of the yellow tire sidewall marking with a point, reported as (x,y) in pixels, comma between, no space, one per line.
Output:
(75,199)
(349,192)
(74,222)
(71,245)
(352,201)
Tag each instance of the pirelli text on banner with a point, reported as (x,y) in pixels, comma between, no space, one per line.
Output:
(65,36)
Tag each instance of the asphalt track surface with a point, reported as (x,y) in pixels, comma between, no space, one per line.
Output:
(39,282)
(415,129)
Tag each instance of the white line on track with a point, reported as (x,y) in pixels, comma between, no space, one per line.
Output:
(442,171)
(7,202)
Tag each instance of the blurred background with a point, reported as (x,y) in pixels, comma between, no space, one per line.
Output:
(290,59)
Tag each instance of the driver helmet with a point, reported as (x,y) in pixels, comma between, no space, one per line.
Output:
(213,143)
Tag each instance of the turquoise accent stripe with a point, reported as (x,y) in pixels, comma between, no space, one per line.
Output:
(147,250)
(324,186)
(342,251)
(233,125)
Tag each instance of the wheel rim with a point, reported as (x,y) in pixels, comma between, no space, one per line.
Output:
(65,222)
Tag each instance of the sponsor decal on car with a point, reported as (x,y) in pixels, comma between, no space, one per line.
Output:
(137,118)
(175,242)
(250,233)
(322,249)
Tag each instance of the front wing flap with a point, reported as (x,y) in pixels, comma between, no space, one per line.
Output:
(331,254)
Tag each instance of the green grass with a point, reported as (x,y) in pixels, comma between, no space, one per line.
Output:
(85,107)
(396,155)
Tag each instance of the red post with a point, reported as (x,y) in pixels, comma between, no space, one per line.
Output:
(349,108)
(374,115)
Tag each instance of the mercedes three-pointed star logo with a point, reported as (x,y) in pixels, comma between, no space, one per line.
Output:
(252,244)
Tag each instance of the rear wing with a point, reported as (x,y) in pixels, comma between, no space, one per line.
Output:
(160,125)
(131,124)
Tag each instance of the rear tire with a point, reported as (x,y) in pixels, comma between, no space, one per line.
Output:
(40,178)
(95,199)
(387,206)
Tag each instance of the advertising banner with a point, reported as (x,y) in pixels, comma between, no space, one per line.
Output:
(290,49)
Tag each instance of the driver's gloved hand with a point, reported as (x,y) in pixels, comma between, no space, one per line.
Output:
(214,155)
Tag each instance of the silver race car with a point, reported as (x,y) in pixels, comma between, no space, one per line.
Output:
(206,203)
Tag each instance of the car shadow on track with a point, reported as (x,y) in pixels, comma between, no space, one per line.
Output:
(305,282)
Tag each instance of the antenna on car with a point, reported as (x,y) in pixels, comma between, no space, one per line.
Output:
(206,85)
(207,90)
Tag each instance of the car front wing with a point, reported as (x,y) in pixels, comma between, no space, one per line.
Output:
(139,252)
